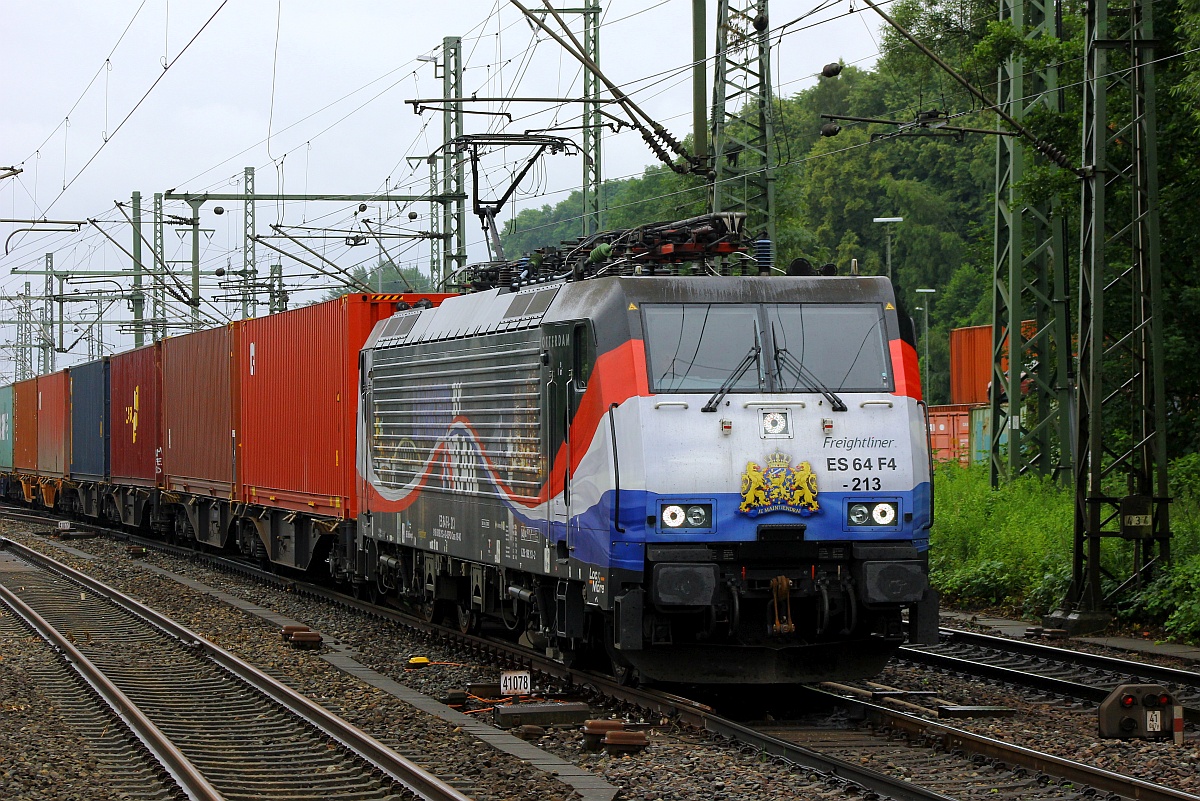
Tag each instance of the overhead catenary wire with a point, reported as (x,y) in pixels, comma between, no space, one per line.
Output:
(652,132)
(480,40)
(383,247)
(137,105)
(107,64)
(1042,146)
(348,279)
(182,299)
(166,270)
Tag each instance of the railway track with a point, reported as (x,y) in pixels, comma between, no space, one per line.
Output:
(135,772)
(218,727)
(1076,674)
(957,763)
(876,751)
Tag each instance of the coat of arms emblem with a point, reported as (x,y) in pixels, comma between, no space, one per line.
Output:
(779,487)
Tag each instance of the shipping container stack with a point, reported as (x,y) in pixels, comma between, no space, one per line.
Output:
(90,435)
(6,431)
(961,430)
(239,435)
(298,375)
(25,439)
(136,440)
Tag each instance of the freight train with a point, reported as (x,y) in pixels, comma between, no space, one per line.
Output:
(617,451)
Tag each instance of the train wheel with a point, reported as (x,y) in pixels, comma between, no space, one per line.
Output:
(431,611)
(468,619)
(625,673)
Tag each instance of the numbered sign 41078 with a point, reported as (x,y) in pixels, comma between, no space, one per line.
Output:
(514,682)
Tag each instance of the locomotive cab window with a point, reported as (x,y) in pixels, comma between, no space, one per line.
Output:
(841,346)
(784,347)
(697,347)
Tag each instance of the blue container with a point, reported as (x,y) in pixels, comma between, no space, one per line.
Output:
(90,427)
(981,435)
(6,429)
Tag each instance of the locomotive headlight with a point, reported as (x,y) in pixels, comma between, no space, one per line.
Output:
(884,514)
(685,515)
(878,513)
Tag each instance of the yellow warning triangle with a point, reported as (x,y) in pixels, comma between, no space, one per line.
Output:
(890,307)
(632,307)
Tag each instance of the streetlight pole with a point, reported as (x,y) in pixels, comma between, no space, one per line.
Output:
(889,240)
(925,309)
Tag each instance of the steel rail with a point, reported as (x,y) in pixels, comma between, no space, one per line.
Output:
(189,778)
(1005,674)
(1153,673)
(1160,673)
(684,710)
(367,747)
(880,783)
(952,738)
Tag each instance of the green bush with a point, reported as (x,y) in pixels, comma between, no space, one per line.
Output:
(1011,549)
(999,547)
(1185,506)
(980,584)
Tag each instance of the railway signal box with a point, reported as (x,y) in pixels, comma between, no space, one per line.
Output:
(1141,711)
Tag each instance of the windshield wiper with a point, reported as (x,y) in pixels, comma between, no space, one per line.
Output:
(804,376)
(750,358)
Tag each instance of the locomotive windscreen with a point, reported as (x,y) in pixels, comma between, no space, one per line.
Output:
(842,345)
(697,347)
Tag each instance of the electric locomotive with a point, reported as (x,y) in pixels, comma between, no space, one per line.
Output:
(699,477)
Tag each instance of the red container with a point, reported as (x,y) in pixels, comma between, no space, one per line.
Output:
(135,387)
(298,377)
(971,361)
(970,364)
(25,426)
(950,433)
(54,425)
(199,385)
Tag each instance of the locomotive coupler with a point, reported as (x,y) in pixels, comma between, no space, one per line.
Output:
(781,599)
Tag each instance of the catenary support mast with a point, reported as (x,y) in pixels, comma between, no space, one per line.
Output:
(1031,389)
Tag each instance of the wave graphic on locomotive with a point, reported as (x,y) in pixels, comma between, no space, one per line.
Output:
(706,478)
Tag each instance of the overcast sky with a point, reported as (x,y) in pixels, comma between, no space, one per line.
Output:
(311,94)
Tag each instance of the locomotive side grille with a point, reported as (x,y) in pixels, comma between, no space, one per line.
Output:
(466,411)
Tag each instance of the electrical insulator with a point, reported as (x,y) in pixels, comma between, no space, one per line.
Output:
(764,254)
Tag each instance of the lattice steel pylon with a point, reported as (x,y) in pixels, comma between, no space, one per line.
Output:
(450,247)
(249,267)
(1030,429)
(159,293)
(742,117)
(46,328)
(593,123)
(1121,486)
